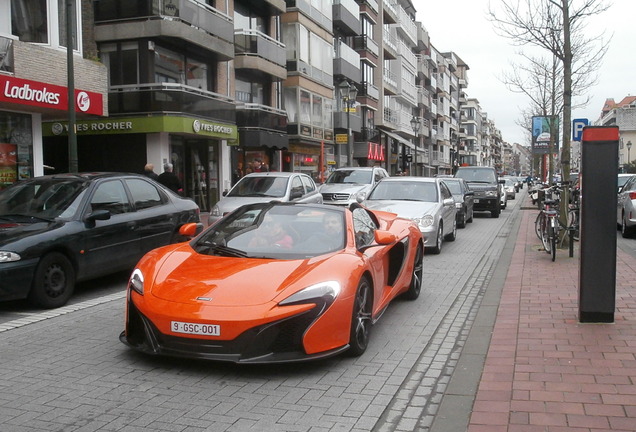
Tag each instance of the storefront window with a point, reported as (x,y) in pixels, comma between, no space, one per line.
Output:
(16,148)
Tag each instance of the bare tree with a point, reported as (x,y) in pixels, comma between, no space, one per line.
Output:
(557,26)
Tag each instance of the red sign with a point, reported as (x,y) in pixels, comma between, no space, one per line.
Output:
(34,93)
(375,151)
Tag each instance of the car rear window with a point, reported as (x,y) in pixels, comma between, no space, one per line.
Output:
(477,175)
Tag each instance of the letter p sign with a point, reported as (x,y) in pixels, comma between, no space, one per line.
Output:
(577,128)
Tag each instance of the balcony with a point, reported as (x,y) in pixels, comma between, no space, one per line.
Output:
(346,62)
(372,4)
(407,26)
(390,46)
(340,120)
(307,7)
(256,50)
(170,98)
(261,125)
(389,12)
(346,17)
(178,20)
(390,82)
(369,90)
(366,43)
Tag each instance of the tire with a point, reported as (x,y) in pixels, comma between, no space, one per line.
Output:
(416,278)
(453,234)
(626,231)
(538,225)
(360,319)
(553,242)
(462,222)
(437,249)
(495,213)
(53,282)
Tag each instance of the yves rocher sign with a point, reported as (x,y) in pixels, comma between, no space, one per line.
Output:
(34,93)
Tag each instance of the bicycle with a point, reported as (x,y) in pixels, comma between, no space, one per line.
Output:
(547,226)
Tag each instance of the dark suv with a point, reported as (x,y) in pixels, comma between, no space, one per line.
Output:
(484,182)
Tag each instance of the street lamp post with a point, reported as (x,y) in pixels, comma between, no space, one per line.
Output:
(415,124)
(348,93)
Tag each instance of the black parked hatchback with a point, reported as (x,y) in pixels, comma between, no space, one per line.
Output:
(60,229)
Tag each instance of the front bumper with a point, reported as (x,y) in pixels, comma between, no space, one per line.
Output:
(16,279)
(486,203)
(275,342)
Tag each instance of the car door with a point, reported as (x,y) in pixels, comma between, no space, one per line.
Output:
(156,216)
(468,197)
(448,207)
(311,190)
(623,197)
(112,244)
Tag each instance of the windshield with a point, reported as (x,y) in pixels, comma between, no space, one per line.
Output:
(351,176)
(477,175)
(404,191)
(453,186)
(266,186)
(276,231)
(42,198)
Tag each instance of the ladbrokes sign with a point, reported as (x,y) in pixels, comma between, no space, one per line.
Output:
(34,93)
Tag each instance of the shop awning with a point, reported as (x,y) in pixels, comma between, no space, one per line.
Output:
(400,139)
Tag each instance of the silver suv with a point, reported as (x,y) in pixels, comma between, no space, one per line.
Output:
(345,184)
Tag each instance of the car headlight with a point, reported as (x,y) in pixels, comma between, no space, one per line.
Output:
(136,281)
(491,193)
(321,293)
(6,256)
(425,221)
(458,205)
(216,211)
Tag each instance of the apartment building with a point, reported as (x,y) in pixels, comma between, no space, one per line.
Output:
(33,78)
(623,115)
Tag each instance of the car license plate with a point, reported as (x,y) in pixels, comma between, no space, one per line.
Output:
(477,201)
(195,328)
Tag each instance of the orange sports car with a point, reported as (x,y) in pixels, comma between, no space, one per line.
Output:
(274,282)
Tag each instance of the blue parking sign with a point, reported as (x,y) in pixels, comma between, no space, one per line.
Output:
(577,128)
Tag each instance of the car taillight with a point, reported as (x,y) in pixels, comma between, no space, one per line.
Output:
(632,195)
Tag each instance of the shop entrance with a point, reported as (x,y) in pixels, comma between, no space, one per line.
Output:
(196,164)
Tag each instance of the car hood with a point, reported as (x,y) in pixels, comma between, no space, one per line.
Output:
(14,231)
(350,188)
(184,276)
(228,204)
(405,209)
(482,186)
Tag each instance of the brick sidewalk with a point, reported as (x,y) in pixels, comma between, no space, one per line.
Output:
(544,371)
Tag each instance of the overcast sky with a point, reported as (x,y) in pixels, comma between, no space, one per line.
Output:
(461,26)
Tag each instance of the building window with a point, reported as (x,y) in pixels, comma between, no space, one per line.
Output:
(43,22)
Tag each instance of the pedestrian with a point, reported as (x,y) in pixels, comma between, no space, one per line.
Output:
(259,166)
(149,171)
(170,179)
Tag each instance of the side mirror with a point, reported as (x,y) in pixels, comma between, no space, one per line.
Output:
(385,237)
(448,202)
(191,229)
(95,216)
(295,195)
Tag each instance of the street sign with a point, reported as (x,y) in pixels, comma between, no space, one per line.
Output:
(341,138)
(577,128)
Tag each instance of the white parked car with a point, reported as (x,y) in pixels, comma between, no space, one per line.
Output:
(265,187)
(344,185)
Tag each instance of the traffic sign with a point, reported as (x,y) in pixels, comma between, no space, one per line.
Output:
(577,128)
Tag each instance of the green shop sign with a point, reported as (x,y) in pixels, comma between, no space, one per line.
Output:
(174,124)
